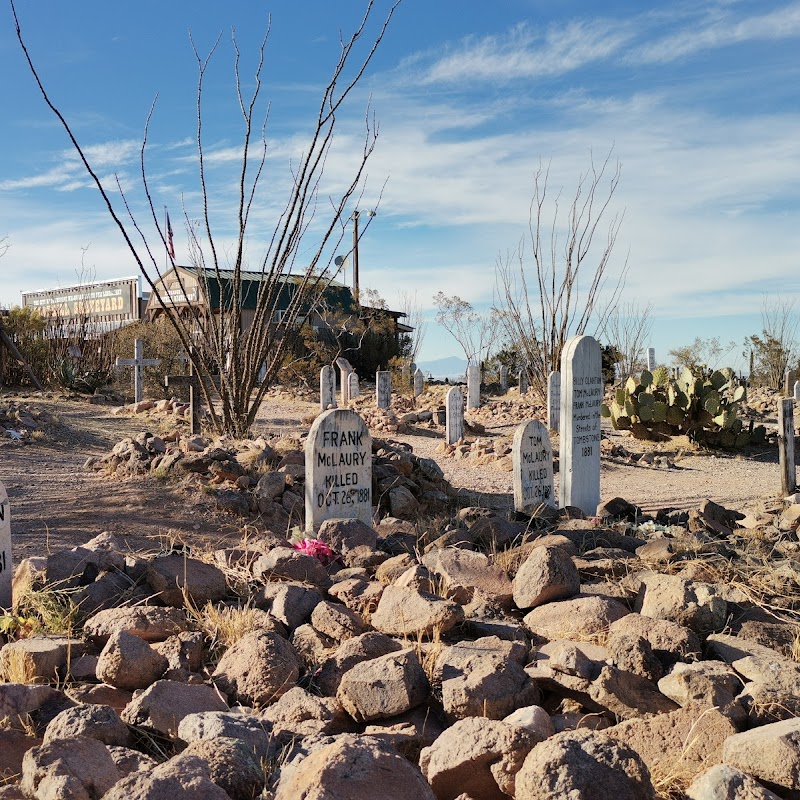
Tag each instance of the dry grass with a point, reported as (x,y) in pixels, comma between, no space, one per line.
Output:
(17,666)
(224,625)
(49,610)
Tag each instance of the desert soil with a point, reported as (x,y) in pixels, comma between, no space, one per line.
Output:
(56,504)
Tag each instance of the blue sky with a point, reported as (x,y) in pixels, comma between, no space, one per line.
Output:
(699,101)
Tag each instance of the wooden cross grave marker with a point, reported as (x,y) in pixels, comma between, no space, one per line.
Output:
(193,382)
(138,362)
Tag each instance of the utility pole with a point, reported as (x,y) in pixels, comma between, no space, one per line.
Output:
(356,215)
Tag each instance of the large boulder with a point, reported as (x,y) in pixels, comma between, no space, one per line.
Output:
(128,662)
(463,574)
(69,769)
(547,574)
(696,605)
(257,669)
(583,765)
(581,618)
(362,768)
(94,721)
(151,623)
(383,687)
(723,782)
(477,756)
(406,612)
(166,703)
(176,578)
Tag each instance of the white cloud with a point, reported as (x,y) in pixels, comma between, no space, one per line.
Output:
(527,53)
(720,31)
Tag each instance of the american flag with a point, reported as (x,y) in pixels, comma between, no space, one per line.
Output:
(170,243)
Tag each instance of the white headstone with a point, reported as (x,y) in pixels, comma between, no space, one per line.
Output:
(345,368)
(553,400)
(504,379)
(138,362)
(651,359)
(338,469)
(579,451)
(523,379)
(383,389)
(454,426)
(419,383)
(327,388)
(473,385)
(532,459)
(6,567)
(353,389)
(797,390)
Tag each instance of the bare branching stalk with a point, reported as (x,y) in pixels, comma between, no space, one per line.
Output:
(627,329)
(242,360)
(415,318)
(550,285)
(475,333)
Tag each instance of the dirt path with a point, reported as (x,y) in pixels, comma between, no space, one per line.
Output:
(55,503)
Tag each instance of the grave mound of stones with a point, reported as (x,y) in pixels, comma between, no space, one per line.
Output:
(265,480)
(20,420)
(552,657)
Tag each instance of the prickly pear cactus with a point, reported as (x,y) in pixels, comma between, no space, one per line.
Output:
(655,406)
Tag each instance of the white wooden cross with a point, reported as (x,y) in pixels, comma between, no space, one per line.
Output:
(138,362)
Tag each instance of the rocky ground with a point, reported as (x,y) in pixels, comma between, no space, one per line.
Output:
(452,650)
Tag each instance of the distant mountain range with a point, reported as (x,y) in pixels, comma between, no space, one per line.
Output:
(452,368)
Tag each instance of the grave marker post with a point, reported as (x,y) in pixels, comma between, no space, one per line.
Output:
(6,565)
(789,378)
(503,379)
(327,388)
(193,382)
(454,424)
(138,362)
(532,459)
(345,368)
(554,401)
(338,455)
(796,390)
(419,383)
(383,389)
(353,389)
(523,380)
(579,451)
(786,446)
(473,385)
(651,359)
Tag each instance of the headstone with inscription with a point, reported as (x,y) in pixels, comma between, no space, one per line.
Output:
(419,383)
(651,359)
(6,567)
(532,459)
(454,425)
(503,379)
(383,389)
(523,380)
(338,469)
(327,388)
(345,368)
(353,388)
(553,400)
(579,451)
(473,385)
(138,362)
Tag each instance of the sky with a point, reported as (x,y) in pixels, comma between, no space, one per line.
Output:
(697,102)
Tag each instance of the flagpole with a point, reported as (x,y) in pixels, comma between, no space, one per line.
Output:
(166,245)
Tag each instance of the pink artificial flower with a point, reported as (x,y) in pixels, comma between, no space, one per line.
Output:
(316,549)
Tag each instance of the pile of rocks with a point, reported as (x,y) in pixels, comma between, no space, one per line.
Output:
(18,421)
(519,409)
(621,455)
(480,451)
(266,479)
(564,666)
(171,407)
